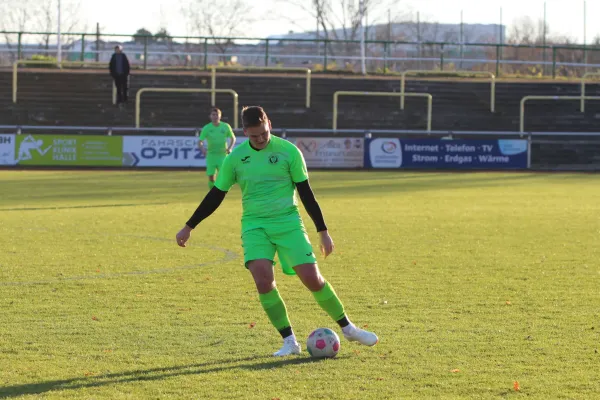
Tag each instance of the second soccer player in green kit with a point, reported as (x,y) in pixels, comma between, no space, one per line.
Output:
(269,170)
(216,134)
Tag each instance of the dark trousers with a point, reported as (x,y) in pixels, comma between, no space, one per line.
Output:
(121,82)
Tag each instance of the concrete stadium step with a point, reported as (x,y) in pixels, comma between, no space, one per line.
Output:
(84,98)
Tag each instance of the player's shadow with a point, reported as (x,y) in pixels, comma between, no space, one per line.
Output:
(434,183)
(152,374)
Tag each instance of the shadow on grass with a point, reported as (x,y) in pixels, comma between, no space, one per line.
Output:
(109,186)
(76,207)
(152,374)
(435,182)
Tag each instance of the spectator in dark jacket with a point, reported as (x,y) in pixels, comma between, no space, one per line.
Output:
(119,70)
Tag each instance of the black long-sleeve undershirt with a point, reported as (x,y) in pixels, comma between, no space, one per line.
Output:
(211,202)
(311,205)
(215,197)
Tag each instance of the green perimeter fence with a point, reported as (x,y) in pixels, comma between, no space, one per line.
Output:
(320,55)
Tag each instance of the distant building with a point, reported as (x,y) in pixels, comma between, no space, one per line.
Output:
(412,32)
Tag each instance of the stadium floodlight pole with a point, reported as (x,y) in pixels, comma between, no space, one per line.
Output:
(585,53)
(59,46)
(544,41)
(361,10)
(584,23)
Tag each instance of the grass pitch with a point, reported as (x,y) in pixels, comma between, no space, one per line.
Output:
(477,284)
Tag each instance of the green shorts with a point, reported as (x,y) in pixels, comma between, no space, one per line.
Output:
(213,163)
(292,247)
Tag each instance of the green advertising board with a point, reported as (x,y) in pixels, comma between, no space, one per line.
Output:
(78,150)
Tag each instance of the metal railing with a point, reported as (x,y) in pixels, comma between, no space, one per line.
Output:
(350,93)
(15,73)
(527,98)
(382,55)
(491,76)
(307,71)
(138,96)
(583,97)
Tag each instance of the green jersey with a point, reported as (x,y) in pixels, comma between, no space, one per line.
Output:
(216,137)
(267,178)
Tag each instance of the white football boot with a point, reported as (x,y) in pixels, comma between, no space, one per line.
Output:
(354,334)
(290,346)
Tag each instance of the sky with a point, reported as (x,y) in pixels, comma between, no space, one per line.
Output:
(126,16)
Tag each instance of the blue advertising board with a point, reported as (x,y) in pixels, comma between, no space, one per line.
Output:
(447,153)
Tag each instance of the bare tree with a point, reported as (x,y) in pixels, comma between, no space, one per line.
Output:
(337,19)
(15,17)
(526,31)
(39,15)
(47,19)
(525,34)
(204,18)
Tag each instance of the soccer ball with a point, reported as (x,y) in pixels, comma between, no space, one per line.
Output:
(323,343)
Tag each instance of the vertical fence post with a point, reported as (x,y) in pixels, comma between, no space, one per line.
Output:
(145,52)
(553,62)
(97,42)
(213,86)
(385,57)
(19,45)
(267,53)
(325,56)
(582,101)
(82,56)
(498,60)
(442,57)
(205,53)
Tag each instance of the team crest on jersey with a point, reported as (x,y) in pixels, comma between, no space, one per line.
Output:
(273,159)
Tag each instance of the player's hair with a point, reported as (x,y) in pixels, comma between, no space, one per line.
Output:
(217,110)
(253,116)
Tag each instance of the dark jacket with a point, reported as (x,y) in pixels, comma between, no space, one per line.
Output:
(113,65)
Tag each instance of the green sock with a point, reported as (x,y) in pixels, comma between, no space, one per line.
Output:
(211,184)
(275,308)
(329,302)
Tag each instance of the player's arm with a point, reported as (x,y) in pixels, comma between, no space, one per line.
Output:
(307,196)
(299,176)
(211,202)
(232,140)
(201,142)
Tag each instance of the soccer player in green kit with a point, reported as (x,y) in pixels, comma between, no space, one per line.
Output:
(269,170)
(216,134)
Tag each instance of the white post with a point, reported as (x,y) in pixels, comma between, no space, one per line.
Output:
(584,23)
(585,53)
(361,10)
(59,45)
(462,40)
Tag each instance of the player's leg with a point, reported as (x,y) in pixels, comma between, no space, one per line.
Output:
(216,163)
(211,170)
(259,254)
(329,301)
(296,254)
